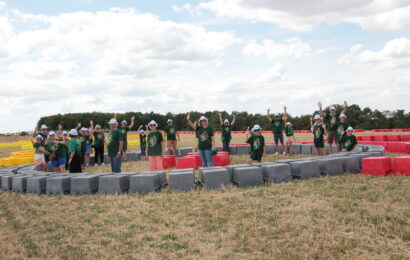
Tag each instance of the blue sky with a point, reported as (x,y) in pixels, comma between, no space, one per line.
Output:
(175,56)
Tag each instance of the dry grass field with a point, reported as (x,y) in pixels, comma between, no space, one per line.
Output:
(343,217)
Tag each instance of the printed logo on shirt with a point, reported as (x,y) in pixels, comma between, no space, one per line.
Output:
(203,137)
(277,123)
(152,141)
(340,129)
(172,130)
(256,144)
(317,133)
(109,139)
(227,129)
(348,143)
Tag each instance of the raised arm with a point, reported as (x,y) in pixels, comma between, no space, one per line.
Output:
(35,132)
(91,129)
(345,107)
(321,109)
(284,117)
(233,120)
(268,115)
(78,126)
(139,128)
(311,122)
(190,123)
(59,129)
(220,118)
(247,134)
(132,122)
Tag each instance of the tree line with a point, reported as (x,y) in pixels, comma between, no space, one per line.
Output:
(358,118)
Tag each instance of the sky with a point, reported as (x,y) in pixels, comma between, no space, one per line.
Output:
(176,56)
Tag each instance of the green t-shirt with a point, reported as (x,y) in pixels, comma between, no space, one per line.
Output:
(74,145)
(340,127)
(66,147)
(277,126)
(84,140)
(171,132)
(289,131)
(155,144)
(226,132)
(204,136)
(99,139)
(113,144)
(318,135)
(349,142)
(257,143)
(37,146)
(143,141)
(331,120)
(57,148)
(124,131)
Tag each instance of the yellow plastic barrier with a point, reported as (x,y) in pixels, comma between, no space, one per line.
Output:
(8,162)
(1,161)
(131,143)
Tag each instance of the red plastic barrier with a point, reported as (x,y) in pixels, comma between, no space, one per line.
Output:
(172,159)
(187,163)
(377,166)
(225,158)
(405,138)
(367,138)
(393,138)
(380,138)
(197,158)
(401,165)
(359,138)
(167,162)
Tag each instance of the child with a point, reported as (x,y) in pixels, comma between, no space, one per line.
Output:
(341,126)
(226,135)
(38,154)
(206,139)
(318,131)
(289,138)
(55,149)
(74,149)
(99,142)
(143,142)
(349,140)
(257,142)
(277,128)
(155,147)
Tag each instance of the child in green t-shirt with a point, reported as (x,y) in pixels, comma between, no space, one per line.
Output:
(289,138)
(341,127)
(155,147)
(349,140)
(318,130)
(257,142)
(38,146)
(143,141)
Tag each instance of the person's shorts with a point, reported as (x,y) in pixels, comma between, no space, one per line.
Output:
(46,158)
(331,137)
(89,149)
(288,139)
(340,146)
(172,143)
(256,155)
(125,147)
(61,161)
(319,143)
(39,157)
(278,137)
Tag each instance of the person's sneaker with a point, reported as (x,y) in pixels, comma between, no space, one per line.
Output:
(95,165)
(276,153)
(102,164)
(284,153)
(87,165)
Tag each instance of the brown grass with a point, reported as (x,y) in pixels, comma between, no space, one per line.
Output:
(343,217)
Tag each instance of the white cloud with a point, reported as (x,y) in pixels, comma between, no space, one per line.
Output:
(273,74)
(303,15)
(42,69)
(347,58)
(2,5)
(395,54)
(293,48)
(117,39)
